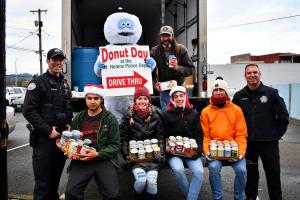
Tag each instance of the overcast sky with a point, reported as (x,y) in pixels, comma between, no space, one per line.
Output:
(260,38)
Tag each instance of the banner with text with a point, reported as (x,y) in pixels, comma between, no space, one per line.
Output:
(120,82)
(124,56)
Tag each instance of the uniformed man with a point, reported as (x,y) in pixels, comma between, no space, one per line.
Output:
(47,108)
(267,119)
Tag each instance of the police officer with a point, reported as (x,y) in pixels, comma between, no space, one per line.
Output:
(267,119)
(47,108)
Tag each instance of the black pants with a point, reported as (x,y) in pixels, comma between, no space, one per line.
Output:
(269,154)
(80,174)
(48,163)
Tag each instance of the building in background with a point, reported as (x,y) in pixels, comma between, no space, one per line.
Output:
(267,58)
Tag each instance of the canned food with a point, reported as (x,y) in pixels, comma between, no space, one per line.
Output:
(194,147)
(214,151)
(133,146)
(185,139)
(134,154)
(187,142)
(234,152)
(172,146)
(147,142)
(77,135)
(67,135)
(154,141)
(178,146)
(147,146)
(149,153)
(132,142)
(141,154)
(156,149)
(178,138)
(220,151)
(140,142)
(140,146)
(186,148)
(154,145)
(172,139)
(192,141)
(227,152)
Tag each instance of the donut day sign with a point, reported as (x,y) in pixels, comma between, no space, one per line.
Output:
(125,69)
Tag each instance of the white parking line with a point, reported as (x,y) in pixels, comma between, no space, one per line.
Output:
(18,147)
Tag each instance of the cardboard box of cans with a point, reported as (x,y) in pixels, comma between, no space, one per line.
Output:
(223,150)
(143,150)
(181,146)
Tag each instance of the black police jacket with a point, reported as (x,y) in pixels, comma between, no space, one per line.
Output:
(265,112)
(47,103)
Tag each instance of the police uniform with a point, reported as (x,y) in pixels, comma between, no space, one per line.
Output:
(267,119)
(47,104)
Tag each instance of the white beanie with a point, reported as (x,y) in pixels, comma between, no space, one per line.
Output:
(93,89)
(219,83)
(177,89)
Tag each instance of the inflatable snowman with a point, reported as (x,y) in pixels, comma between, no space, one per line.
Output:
(121,29)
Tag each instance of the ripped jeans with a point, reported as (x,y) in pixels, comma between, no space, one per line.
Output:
(145,180)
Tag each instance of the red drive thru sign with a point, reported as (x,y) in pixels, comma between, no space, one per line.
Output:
(125,69)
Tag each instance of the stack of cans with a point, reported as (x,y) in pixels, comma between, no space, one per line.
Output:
(182,144)
(143,149)
(223,149)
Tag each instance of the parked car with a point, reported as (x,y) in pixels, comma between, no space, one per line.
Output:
(18,102)
(10,118)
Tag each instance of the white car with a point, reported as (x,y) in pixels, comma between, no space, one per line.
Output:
(18,102)
(10,118)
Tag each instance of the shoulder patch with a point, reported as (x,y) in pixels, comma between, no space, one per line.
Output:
(31,86)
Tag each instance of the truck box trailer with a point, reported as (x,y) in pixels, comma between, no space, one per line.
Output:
(82,33)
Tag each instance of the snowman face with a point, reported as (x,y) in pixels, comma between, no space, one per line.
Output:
(122,28)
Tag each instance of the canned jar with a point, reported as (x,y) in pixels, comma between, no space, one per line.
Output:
(171,146)
(178,146)
(234,152)
(154,141)
(186,148)
(192,141)
(141,154)
(227,152)
(147,142)
(214,151)
(220,151)
(134,154)
(178,138)
(149,153)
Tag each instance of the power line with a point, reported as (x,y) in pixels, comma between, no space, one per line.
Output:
(256,22)
(20,40)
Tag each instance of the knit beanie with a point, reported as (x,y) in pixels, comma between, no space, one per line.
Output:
(141,91)
(219,83)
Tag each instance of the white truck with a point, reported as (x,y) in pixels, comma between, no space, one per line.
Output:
(82,33)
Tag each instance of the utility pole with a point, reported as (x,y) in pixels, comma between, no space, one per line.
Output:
(16,74)
(39,24)
(3,127)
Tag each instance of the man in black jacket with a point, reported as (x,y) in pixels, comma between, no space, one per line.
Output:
(267,119)
(47,107)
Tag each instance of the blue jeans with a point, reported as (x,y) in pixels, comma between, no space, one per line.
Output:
(144,180)
(239,168)
(164,100)
(190,190)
